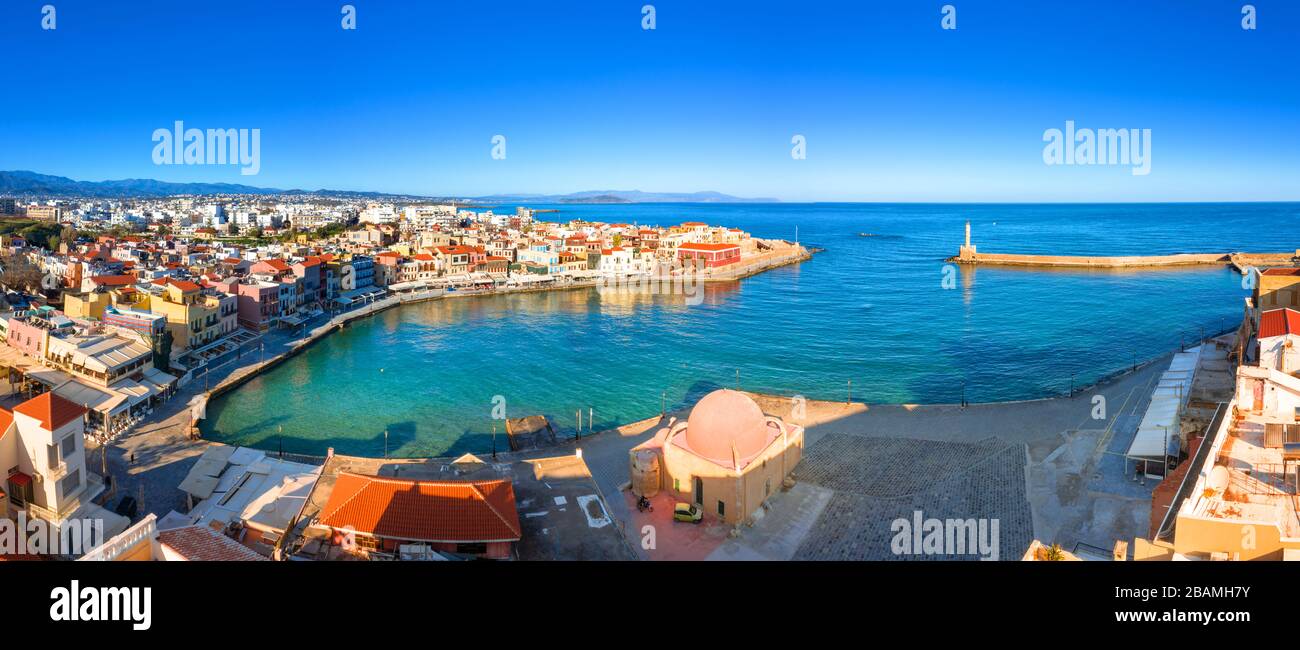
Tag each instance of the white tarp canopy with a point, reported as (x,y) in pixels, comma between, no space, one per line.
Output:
(1161,426)
(100,400)
(48,376)
(159,377)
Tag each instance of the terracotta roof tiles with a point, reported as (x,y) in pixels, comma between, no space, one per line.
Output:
(51,410)
(434,511)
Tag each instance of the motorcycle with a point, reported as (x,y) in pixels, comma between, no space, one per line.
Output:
(643,505)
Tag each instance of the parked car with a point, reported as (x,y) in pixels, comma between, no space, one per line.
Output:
(688,513)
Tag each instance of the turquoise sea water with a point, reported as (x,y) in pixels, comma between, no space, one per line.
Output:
(869,309)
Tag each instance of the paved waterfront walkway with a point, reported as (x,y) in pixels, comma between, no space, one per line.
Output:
(150,461)
(833,513)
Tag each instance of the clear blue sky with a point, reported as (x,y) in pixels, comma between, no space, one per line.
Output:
(893,107)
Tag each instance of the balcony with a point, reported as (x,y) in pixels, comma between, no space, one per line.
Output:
(91,488)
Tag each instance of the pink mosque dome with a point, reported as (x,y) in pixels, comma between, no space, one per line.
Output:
(723,418)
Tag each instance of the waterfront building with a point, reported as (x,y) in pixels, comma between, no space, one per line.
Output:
(43,454)
(727,457)
(193,316)
(540,255)
(1278,338)
(712,255)
(1277,287)
(102,359)
(375,513)
(312,274)
(257,302)
(1237,496)
(247,494)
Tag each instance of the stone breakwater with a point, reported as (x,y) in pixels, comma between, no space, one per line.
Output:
(1240,261)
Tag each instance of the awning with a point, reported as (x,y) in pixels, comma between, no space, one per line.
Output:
(205,475)
(48,376)
(199,486)
(100,400)
(19,478)
(159,377)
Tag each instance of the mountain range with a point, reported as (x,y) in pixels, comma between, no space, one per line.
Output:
(21,183)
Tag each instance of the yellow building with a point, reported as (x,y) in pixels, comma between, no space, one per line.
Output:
(194,318)
(91,304)
(1278,287)
(727,457)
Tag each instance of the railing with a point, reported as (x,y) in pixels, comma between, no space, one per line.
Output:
(114,548)
(1166,532)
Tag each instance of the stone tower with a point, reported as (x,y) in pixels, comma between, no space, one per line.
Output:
(967,250)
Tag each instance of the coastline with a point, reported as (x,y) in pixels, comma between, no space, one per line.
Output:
(152,459)
(243,374)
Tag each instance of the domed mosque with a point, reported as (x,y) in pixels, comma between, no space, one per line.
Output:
(727,456)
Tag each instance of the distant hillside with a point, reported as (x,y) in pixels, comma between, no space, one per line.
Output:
(30,183)
(25,182)
(603,198)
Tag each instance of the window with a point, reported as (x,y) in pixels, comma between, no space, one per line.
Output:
(53,456)
(69,445)
(70,483)
(722,509)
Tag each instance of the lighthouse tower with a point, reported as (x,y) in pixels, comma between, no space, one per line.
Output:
(967,250)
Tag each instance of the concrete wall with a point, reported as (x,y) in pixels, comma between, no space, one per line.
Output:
(1007,259)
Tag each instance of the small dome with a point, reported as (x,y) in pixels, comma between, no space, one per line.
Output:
(722,418)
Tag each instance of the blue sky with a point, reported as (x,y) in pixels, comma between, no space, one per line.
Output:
(892,106)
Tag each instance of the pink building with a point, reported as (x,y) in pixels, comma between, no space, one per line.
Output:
(713,255)
(258,301)
(27,337)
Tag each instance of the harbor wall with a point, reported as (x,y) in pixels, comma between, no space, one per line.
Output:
(1011,259)
(1240,261)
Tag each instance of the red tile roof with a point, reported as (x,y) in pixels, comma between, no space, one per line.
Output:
(6,419)
(432,511)
(203,544)
(1293,270)
(275,263)
(1277,322)
(113,280)
(184,285)
(52,411)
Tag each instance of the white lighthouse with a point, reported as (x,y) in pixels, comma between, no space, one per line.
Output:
(968,249)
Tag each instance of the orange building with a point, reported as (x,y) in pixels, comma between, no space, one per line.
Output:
(465,517)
